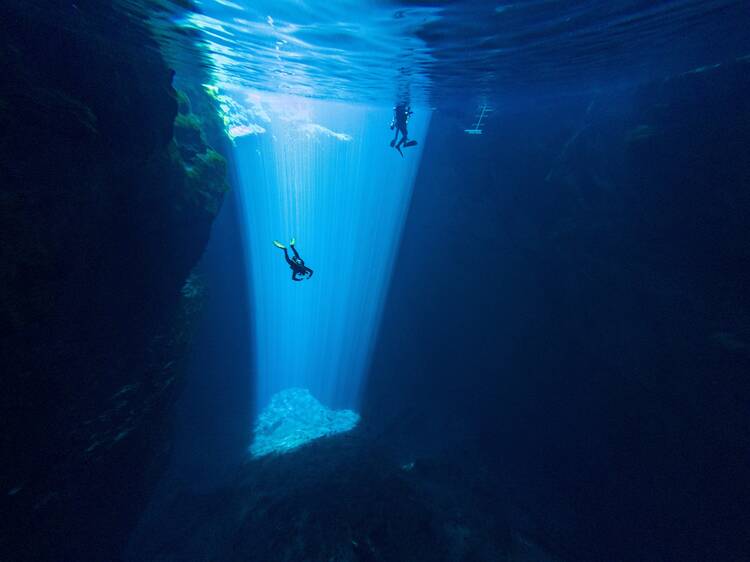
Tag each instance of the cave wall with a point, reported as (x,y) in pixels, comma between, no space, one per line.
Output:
(108,191)
(572,313)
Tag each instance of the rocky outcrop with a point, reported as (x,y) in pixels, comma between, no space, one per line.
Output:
(108,192)
(344,499)
(294,417)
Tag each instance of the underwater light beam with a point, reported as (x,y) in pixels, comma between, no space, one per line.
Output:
(323,173)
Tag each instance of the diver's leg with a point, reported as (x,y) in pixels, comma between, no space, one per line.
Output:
(296,254)
(286,256)
(403,137)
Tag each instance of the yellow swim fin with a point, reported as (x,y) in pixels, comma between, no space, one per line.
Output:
(292,242)
(278,244)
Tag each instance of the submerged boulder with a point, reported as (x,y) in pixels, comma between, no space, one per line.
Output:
(294,417)
(344,499)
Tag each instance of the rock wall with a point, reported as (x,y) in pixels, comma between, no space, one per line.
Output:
(107,196)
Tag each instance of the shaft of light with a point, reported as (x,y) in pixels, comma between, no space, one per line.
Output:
(323,173)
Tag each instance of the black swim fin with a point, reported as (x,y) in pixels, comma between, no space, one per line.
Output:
(393,142)
(410,143)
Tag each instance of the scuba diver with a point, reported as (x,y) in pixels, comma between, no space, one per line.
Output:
(300,271)
(401,114)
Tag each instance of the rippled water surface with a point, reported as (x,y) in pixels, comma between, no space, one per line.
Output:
(375,51)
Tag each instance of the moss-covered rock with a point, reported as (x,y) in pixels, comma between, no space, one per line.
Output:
(205,168)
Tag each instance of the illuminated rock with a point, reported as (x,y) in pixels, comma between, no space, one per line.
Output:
(294,417)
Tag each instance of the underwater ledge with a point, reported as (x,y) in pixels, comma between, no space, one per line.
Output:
(346,498)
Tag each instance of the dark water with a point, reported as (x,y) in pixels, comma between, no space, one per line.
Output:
(543,326)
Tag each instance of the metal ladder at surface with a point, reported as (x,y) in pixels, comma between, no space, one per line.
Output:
(476,129)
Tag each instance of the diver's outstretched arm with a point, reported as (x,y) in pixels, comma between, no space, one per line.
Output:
(309,272)
(294,276)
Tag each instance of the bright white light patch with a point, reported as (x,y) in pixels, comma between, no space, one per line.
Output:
(314,128)
(294,417)
(244,130)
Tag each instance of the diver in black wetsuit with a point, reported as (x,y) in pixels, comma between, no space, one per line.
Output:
(300,271)
(401,114)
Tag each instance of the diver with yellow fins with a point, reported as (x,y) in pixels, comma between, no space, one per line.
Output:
(300,271)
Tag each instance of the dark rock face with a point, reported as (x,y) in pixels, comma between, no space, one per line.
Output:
(103,217)
(342,499)
(592,333)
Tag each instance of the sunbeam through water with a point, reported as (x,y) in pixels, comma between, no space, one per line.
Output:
(322,173)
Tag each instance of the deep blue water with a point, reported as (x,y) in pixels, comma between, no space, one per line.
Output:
(536,321)
(540,318)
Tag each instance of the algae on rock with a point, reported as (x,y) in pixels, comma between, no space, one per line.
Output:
(205,169)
